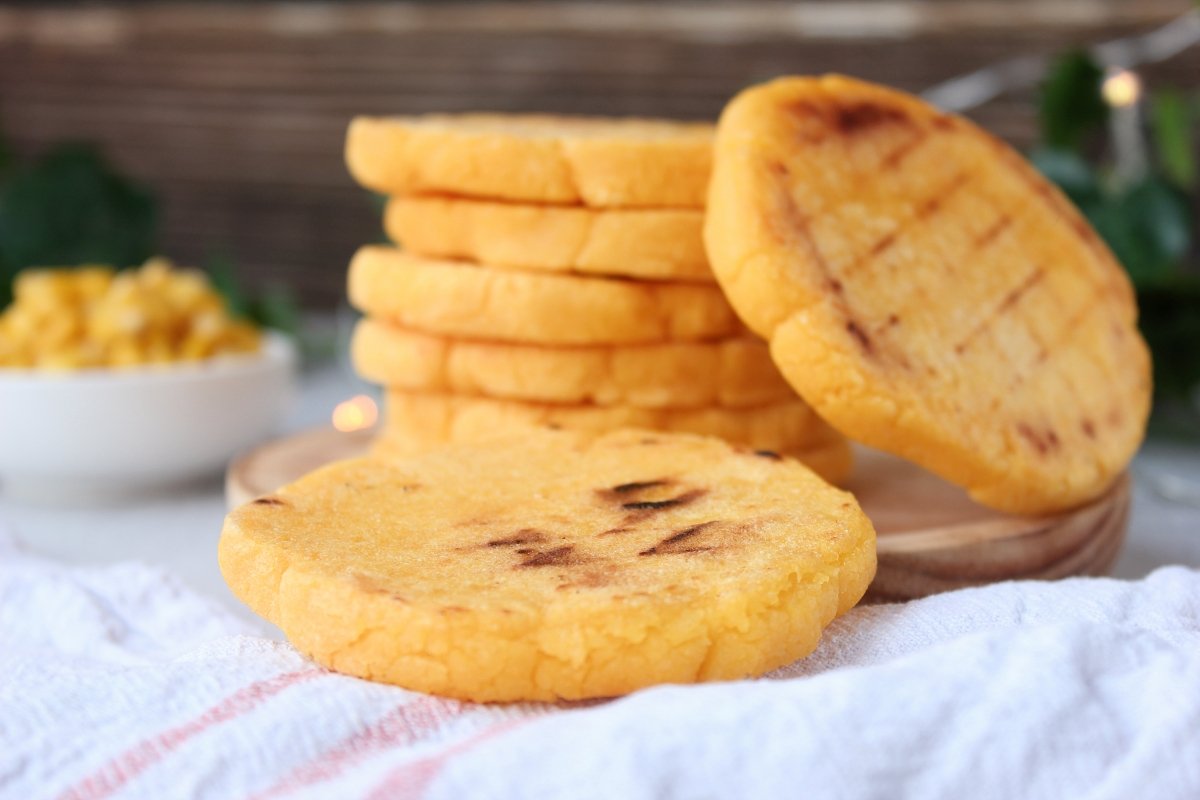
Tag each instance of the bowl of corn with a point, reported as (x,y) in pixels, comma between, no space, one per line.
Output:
(116,383)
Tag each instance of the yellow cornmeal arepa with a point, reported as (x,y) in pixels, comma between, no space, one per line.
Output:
(927,291)
(727,372)
(457,298)
(415,421)
(591,161)
(555,566)
(650,244)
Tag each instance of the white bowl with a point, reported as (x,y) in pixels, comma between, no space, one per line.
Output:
(79,437)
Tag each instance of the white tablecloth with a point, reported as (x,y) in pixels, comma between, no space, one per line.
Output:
(121,682)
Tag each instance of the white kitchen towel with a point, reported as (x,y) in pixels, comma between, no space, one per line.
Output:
(119,682)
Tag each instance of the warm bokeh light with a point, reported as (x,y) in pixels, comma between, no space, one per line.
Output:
(355,414)
(1122,88)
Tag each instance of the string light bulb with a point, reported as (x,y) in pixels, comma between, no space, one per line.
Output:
(1122,88)
(355,414)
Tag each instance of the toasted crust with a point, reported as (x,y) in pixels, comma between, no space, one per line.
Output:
(554,566)
(416,421)
(650,244)
(591,161)
(731,373)
(927,291)
(456,298)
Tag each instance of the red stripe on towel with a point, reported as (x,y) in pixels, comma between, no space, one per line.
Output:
(137,759)
(401,726)
(412,779)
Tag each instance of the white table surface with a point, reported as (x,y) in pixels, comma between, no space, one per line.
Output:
(179,530)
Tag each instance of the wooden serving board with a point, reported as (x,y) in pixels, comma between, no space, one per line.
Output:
(932,537)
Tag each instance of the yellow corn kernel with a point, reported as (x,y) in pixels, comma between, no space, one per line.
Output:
(61,329)
(242,338)
(125,353)
(92,282)
(155,272)
(39,286)
(62,359)
(93,316)
(158,348)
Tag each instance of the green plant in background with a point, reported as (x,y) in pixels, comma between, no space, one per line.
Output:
(5,156)
(1148,219)
(70,207)
(273,307)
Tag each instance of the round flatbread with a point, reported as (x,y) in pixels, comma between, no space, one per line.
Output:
(927,291)
(556,566)
(649,244)
(456,298)
(731,373)
(417,421)
(591,161)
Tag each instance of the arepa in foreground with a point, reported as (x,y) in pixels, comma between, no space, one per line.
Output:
(927,291)
(557,565)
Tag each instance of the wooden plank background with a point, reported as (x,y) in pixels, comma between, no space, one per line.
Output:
(235,113)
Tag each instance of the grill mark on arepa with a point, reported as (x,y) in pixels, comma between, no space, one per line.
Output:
(1043,441)
(634,490)
(523,536)
(864,340)
(932,204)
(269,501)
(671,502)
(371,586)
(883,244)
(589,578)
(860,117)
(945,122)
(637,486)
(811,126)
(556,557)
(1066,331)
(1002,223)
(668,545)
(800,225)
(892,160)
(1009,301)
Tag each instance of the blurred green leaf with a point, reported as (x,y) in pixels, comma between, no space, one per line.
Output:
(378,202)
(223,274)
(69,208)
(1172,120)
(1170,321)
(6,156)
(274,307)
(1148,227)
(277,308)
(1166,216)
(1070,105)
(1075,176)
